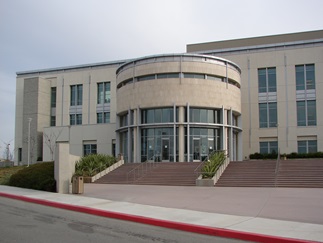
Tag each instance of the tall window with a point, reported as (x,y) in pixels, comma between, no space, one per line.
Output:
(75,119)
(307,146)
(103,117)
(267,80)
(52,121)
(104,93)
(53,97)
(268,114)
(306,113)
(305,77)
(269,147)
(76,94)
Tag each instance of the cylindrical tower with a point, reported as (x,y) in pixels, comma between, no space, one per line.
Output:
(178,107)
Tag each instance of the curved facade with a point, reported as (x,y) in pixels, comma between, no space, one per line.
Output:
(178,108)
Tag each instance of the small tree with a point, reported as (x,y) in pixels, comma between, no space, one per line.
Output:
(50,141)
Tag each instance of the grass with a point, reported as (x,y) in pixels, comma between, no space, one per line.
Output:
(7,172)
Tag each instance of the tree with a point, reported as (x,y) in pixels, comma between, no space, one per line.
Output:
(8,155)
(50,141)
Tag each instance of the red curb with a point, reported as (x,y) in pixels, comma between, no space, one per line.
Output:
(161,223)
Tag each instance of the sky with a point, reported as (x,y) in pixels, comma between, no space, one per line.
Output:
(38,34)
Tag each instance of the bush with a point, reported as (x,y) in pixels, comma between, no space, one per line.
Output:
(38,176)
(289,156)
(92,164)
(211,166)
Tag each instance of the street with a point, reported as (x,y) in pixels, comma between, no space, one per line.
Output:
(27,222)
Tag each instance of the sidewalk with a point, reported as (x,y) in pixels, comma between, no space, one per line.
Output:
(255,214)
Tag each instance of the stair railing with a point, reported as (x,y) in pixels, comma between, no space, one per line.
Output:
(277,166)
(139,171)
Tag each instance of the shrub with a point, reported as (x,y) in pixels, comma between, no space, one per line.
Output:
(211,166)
(38,176)
(289,156)
(92,164)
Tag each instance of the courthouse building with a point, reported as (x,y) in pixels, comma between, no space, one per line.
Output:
(244,96)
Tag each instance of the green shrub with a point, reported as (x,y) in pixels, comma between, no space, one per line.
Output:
(289,156)
(92,164)
(38,176)
(211,166)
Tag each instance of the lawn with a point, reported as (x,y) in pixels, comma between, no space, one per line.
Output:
(6,172)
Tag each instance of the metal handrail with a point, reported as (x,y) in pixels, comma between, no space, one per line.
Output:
(140,170)
(277,163)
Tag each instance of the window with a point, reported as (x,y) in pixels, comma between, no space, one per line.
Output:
(52,121)
(76,94)
(194,75)
(266,80)
(268,147)
(89,149)
(162,115)
(306,113)
(104,93)
(307,146)
(103,117)
(75,119)
(305,77)
(167,75)
(53,97)
(147,77)
(267,114)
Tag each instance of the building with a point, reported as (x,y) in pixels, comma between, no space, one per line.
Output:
(282,90)
(244,96)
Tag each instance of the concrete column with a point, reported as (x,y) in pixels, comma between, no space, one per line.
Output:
(181,134)
(63,171)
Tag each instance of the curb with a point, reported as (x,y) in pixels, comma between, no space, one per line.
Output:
(220,232)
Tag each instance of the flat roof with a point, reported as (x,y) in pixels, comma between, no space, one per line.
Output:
(62,69)
(256,41)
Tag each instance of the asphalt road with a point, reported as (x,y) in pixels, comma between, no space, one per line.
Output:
(27,222)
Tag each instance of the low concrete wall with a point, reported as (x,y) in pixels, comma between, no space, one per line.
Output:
(106,171)
(6,164)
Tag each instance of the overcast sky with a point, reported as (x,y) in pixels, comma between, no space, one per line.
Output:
(38,34)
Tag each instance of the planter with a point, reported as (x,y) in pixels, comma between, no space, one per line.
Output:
(87,179)
(204,182)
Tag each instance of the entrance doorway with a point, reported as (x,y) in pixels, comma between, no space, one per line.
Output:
(165,150)
(150,150)
(196,149)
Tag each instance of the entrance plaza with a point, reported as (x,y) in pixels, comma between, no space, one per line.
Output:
(253,214)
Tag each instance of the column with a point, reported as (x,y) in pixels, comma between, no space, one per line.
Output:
(181,134)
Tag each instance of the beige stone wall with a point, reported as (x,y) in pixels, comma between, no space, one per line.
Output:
(288,131)
(33,100)
(166,92)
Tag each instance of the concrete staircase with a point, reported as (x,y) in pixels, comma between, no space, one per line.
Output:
(162,173)
(291,173)
(248,174)
(300,173)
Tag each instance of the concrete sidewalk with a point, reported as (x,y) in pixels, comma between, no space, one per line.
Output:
(258,214)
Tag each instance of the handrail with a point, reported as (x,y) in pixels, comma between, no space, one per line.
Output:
(140,170)
(277,163)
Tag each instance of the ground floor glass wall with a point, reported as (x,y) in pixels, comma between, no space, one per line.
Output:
(157,144)
(192,136)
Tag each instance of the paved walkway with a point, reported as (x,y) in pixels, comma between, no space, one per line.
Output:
(268,212)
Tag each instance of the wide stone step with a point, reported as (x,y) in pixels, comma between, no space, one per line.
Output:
(291,173)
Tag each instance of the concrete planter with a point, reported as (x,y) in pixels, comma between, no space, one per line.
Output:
(104,172)
(204,182)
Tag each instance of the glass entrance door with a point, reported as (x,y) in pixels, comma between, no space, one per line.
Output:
(196,150)
(165,150)
(150,150)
